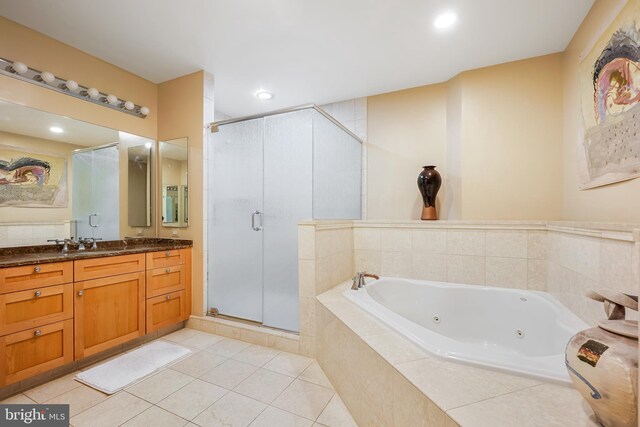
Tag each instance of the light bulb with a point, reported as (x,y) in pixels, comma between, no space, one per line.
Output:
(147,145)
(47,77)
(71,85)
(144,111)
(264,95)
(56,129)
(112,99)
(93,93)
(19,67)
(129,105)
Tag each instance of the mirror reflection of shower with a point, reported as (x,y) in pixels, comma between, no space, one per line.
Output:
(95,192)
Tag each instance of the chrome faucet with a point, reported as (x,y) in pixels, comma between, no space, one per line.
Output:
(64,242)
(358,280)
(88,241)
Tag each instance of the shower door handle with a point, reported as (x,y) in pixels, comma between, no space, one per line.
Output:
(253,220)
(91,216)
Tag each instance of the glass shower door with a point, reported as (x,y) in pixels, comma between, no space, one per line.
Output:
(235,231)
(96,193)
(288,192)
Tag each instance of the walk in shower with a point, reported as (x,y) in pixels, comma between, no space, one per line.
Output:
(266,174)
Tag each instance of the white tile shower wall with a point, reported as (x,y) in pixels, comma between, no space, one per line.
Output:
(26,234)
(353,115)
(492,257)
(578,263)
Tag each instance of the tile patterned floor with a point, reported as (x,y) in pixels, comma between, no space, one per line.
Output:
(224,382)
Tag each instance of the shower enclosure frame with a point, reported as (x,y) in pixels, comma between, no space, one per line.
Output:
(210,309)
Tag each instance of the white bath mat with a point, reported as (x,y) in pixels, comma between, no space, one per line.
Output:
(132,367)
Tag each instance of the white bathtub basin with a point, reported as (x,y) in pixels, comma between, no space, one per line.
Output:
(522,332)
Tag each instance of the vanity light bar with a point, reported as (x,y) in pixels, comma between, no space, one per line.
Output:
(20,71)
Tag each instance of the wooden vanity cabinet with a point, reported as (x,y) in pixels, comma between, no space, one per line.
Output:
(54,313)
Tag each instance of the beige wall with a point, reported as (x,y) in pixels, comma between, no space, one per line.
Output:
(617,202)
(494,133)
(511,140)
(405,131)
(181,105)
(44,146)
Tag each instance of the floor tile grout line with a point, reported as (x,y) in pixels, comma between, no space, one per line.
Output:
(227,391)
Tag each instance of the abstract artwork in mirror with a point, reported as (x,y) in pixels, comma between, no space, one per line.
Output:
(174,166)
(139,170)
(32,179)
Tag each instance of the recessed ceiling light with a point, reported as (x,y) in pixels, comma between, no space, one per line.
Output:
(56,129)
(147,145)
(264,95)
(445,20)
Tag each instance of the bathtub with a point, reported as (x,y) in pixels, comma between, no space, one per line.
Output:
(517,331)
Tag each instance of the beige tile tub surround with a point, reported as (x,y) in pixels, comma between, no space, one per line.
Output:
(325,257)
(564,258)
(505,254)
(385,380)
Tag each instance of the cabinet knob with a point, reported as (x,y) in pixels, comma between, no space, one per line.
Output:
(168,270)
(37,333)
(37,269)
(80,293)
(37,294)
(168,296)
(168,253)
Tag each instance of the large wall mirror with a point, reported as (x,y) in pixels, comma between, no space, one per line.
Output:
(174,172)
(62,178)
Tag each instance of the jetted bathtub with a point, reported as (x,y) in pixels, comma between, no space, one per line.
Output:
(517,331)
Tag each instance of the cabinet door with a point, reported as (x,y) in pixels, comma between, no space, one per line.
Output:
(161,281)
(28,309)
(35,351)
(166,310)
(108,312)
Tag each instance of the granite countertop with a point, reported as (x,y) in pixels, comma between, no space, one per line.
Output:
(26,255)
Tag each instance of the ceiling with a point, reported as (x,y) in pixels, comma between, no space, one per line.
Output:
(303,51)
(22,120)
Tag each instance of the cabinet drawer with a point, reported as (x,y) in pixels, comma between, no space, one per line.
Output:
(161,281)
(166,258)
(96,268)
(14,279)
(40,306)
(166,310)
(35,351)
(108,312)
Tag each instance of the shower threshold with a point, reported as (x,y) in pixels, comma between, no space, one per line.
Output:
(216,314)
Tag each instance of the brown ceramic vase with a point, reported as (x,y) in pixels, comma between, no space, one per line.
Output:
(429,182)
